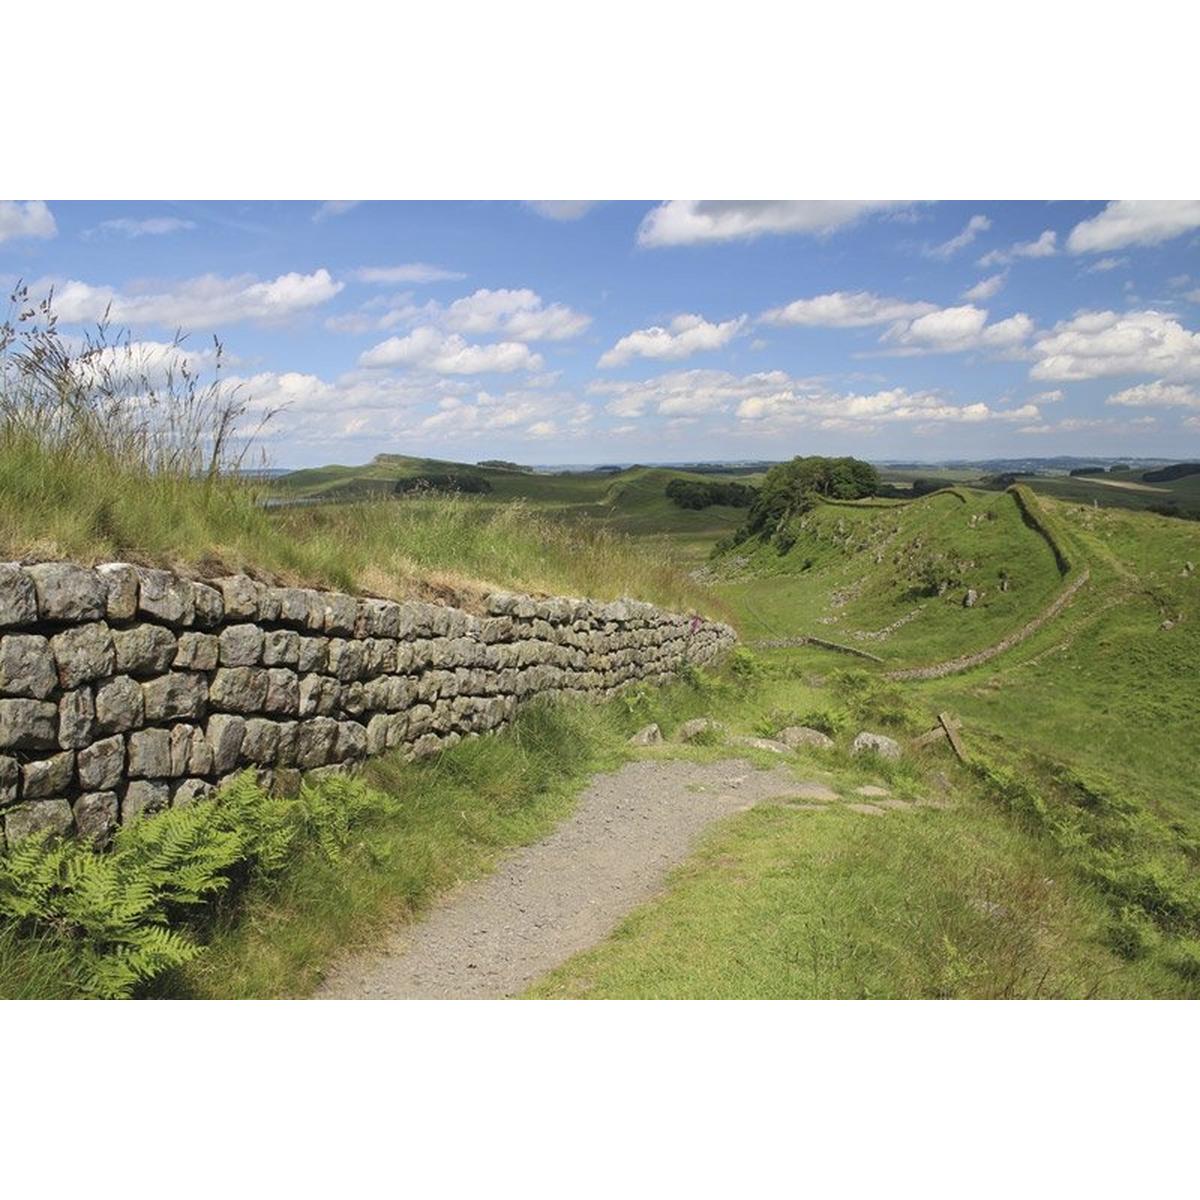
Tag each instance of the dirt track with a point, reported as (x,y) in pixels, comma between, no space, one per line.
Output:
(493,937)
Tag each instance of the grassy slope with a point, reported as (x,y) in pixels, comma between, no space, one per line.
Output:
(62,505)
(788,902)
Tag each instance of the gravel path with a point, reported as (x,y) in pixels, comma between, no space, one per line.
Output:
(495,936)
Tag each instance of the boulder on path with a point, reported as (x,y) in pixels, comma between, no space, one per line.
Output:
(689,731)
(875,743)
(648,735)
(796,736)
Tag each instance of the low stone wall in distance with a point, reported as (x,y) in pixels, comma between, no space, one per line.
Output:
(124,689)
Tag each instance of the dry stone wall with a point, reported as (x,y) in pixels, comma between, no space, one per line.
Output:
(124,689)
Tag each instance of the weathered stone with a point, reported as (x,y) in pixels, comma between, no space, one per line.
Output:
(759,743)
(796,736)
(149,754)
(197,651)
(876,743)
(239,689)
(18,596)
(48,776)
(261,741)
(210,608)
(26,668)
(294,606)
(189,791)
(648,735)
(28,725)
(700,727)
(120,705)
(970,599)
(10,779)
(240,596)
(143,797)
(312,654)
(190,753)
(340,613)
(318,695)
(285,756)
(283,692)
(177,694)
(102,764)
(121,590)
(96,816)
(76,718)
(345,659)
(351,741)
(144,649)
(315,740)
(166,597)
(224,734)
(281,648)
(66,592)
(241,645)
(37,817)
(83,653)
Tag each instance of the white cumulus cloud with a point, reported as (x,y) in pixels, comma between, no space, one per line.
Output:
(1092,345)
(846,310)
(687,334)
(517,313)
(963,327)
(1134,223)
(26,219)
(985,289)
(685,222)
(450,354)
(1158,394)
(205,302)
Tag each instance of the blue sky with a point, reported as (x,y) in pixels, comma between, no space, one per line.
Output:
(561,332)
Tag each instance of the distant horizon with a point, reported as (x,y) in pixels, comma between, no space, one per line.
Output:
(628,330)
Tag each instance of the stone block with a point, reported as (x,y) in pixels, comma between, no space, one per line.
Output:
(189,791)
(143,797)
(149,754)
(96,816)
(239,594)
(120,705)
(26,666)
(281,648)
(76,718)
(175,695)
(283,692)
(83,653)
(38,817)
(241,645)
(10,779)
(197,652)
(190,752)
(224,734)
(239,689)
(315,741)
(18,596)
(261,741)
(165,597)
(144,649)
(121,590)
(312,654)
(48,776)
(28,725)
(101,765)
(210,608)
(66,592)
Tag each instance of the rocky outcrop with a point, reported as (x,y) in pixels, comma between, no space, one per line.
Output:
(124,690)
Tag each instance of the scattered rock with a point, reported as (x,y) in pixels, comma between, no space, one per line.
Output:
(816,791)
(757,743)
(796,736)
(970,599)
(876,743)
(690,730)
(648,735)
(871,789)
